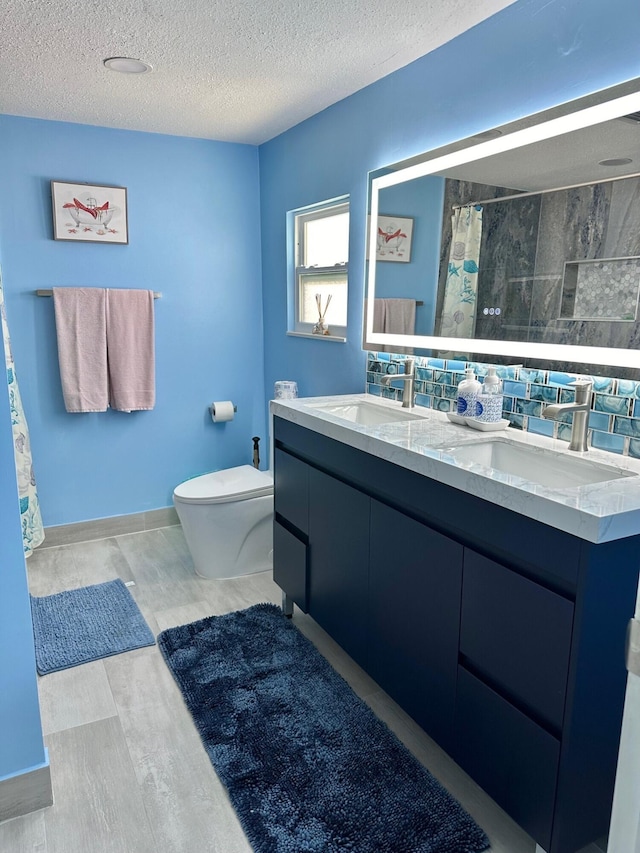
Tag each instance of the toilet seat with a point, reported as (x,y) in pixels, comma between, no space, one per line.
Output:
(231,484)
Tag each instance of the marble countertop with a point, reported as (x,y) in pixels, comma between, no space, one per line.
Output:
(598,512)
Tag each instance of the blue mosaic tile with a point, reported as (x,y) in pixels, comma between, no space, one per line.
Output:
(375,390)
(478,367)
(424,373)
(607,441)
(604,384)
(636,409)
(541,426)
(567,395)
(419,387)
(627,388)
(391,368)
(545,393)
(385,356)
(456,365)
(634,447)
(627,426)
(564,432)
(505,372)
(376,367)
(442,376)
(599,421)
(433,388)
(389,393)
(527,374)
(371,377)
(450,391)
(436,362)
(556,378)
(442,405)
(528,407)
(515,389)
(611,404)
(517,421)
(423,400)
(507,404)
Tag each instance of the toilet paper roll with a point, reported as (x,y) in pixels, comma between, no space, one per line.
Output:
(222,410)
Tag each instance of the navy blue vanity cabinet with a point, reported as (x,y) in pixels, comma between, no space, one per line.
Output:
(338,561)
(501,636)
(415,578)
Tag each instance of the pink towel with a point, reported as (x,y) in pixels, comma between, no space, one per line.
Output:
(130,347)
(82,347)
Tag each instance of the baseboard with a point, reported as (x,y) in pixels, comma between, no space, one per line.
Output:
(103,528)
(26,792)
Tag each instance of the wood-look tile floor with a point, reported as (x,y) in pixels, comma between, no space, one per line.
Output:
(129,772)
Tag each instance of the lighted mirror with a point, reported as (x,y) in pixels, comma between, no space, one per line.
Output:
(520,244)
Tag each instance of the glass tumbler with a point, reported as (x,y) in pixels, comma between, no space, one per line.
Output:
(285,389)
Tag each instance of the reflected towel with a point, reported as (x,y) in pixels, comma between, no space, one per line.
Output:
(80,314)
(130,344)
(400,316)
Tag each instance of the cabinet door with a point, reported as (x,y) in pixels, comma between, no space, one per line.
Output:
(414,615)
(338,561)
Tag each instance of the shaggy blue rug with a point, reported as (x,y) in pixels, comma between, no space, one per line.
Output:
(86,624)
(307,764)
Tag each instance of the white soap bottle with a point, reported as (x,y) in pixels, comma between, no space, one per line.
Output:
(468,391)
(489,400)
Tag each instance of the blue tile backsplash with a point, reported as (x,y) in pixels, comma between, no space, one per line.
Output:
(614,420)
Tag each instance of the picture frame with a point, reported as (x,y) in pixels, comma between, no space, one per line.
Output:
(89,213)
(394,236)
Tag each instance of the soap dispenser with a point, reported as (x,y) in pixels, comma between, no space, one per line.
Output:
(489,400)
(468,391)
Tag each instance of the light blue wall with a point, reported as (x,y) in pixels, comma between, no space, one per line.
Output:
(21,744)
(533,55)
(194,235)
(422,200)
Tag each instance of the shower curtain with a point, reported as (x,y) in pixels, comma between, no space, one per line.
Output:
(32,529)
(461,287)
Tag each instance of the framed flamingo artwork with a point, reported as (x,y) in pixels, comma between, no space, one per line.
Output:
(89,214)
(393,239)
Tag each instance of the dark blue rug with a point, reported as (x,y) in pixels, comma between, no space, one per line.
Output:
(86,624)
(307,764)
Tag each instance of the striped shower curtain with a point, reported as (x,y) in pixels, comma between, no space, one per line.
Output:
(32,529)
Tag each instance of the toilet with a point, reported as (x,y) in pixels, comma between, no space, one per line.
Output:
(227,520)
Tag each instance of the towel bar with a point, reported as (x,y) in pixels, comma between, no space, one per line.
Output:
(156,295)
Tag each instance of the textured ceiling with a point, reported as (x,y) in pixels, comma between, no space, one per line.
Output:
(231,70)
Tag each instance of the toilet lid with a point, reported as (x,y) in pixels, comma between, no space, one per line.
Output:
(231,484)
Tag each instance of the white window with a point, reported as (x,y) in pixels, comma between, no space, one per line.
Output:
(321,249)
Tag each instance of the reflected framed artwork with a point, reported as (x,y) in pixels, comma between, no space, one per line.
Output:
(89,213)
(393,238)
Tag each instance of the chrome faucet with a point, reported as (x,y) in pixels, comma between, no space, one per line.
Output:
(580,409)
(409,379)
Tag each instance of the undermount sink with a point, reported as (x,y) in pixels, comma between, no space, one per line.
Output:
(550,468)
(366,414)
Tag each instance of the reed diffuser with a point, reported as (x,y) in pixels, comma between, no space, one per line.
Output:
(321,328)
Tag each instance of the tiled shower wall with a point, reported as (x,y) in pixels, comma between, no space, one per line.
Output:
(615,409)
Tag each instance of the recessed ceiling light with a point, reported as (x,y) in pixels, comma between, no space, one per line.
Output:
(616,161)
(126,65)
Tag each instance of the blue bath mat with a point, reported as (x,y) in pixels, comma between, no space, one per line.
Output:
(86,624)
(308,766)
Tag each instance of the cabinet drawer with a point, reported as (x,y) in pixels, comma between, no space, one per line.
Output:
(291,491)
(290,565)
(508,755)
(516,635)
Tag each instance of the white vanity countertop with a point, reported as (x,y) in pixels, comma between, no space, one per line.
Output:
(598,512)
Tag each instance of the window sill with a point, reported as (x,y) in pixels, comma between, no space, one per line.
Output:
(334,338)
